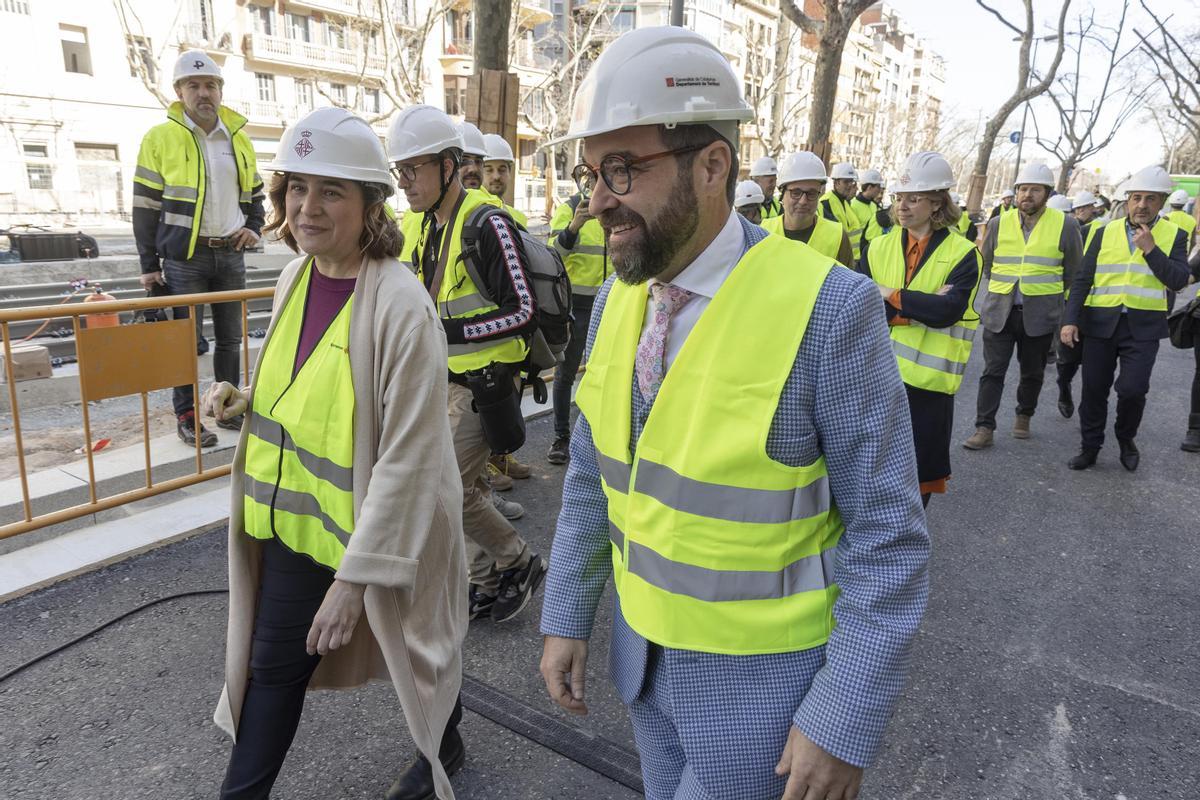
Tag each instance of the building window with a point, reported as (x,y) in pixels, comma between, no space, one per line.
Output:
(304,95)
(337,91)
(297,27)
(456,95)
(266,87)
(76,56)
(141,58)
(368,101)
(336,35)
(15,6)
(37,165)
(264,20)
(527,151)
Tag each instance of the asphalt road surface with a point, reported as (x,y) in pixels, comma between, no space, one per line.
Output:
(1059,659)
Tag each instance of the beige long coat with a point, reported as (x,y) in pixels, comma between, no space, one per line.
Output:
(407,545)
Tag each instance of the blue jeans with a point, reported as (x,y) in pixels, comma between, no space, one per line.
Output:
(564,376)
(210,271)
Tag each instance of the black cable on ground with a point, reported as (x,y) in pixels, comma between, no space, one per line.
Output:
(594,752)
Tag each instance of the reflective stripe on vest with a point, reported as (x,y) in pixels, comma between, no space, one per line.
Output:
(716,547)
(1036,263)
(587,262)
(826,237)
(298,483)
(1123,278)
(933,359)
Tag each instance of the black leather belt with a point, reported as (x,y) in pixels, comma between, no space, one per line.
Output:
(214,243)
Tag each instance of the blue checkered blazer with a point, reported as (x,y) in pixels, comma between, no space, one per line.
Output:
(844,400)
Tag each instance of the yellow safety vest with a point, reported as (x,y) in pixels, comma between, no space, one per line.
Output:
(1036,264)
(826,237)
(965,226)
(866,215)
(929,358)
(1123,278)
(771,208)
(715,546)
(1183,220)
(459,295)
(848,219)
(587,263)
(298,483)
(518,216)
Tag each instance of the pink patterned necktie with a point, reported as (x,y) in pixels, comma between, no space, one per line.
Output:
(651,352)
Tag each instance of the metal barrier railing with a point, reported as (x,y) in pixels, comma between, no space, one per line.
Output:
(118,362)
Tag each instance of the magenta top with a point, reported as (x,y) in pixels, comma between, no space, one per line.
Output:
(326,296)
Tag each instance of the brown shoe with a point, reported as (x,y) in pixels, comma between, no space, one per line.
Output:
(498,480)
(1021,427)
(508,465)
(980,439)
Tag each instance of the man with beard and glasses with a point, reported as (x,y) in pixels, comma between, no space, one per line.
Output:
(802,180)
(742,467)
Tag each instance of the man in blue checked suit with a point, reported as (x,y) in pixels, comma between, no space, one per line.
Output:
(743,465)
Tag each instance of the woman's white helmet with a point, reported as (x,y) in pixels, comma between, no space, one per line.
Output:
(333,143)
(801,166)
(498,149)
(748,193)
(473,143)
(926,171)
(421,130)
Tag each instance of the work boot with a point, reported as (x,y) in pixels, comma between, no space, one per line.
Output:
(560,451)
(1085,459)
(979,440)
(416,782)
(517,586)
(1191,442)
(1021,427)
(1130,456)
(186,428)
(497,479)
(232,424)
(508,465)
(507,508)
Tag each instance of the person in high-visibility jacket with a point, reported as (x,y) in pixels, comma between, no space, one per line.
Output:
(866,205)
(835,205)
(577,236)
(764,172)
(499,172)
(965,226)
(802,179)
(928,277)
(1119,303)
(345,544)
(740,395)
(1176,214)
(748,201)
(1029,258)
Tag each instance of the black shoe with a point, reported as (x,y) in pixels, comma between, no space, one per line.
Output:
(232,424)
(1085,459)
(186,429)
(416,782)
(1191,442)
(1130,456)
(517,586)
(1066,403)
(560,451)
(481,604)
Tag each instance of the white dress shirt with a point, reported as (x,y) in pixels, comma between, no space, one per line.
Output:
(222,215)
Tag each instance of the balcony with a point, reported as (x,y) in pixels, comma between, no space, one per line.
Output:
(348,8)
(460,51)
(531,13)
(295,53)
(265,113)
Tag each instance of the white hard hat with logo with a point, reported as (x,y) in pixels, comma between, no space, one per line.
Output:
(473,143)
(924,172)
(194,63)
(1179,197)
(1083,199)
(763,167)
(1149,179)
(801,166)
(1060,202)
(421,130)
(871,176)
(843,172)
(333,143)
(659,76)
(748,193)
(498,149)
(1036,174)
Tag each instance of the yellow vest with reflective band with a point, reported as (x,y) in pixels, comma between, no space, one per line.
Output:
(933,359)
(459,296)
(716,547)
(1037,264)
(298,483)
(587,263)
(866,215)
(1123,278)
(848,219)
(965,226)
(826,237)
(1183,220)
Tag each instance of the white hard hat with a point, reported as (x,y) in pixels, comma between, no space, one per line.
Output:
(924,172)
(1179,197)
(473,143)
(1149,179)
(333,143)
(843,171)
(748,193)
(762,167)
(801,166)
(871,176)
(421,130)
(1083,199)
(195,62)
(659,76)
(1007,193)
(1037,174)
(1060,202)
(497,148)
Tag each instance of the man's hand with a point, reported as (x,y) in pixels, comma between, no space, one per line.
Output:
(151,279)
(1143,239)
(564,662)
(224,401)
(581,217)
(814,774)
(335,620)
(1069,335)
(243,239)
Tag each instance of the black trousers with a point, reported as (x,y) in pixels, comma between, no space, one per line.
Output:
(289,596)
(564,375)
(997,353)
(1196,381)
(1101,358)
(1069,361)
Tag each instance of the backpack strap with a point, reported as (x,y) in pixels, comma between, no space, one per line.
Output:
(472,230)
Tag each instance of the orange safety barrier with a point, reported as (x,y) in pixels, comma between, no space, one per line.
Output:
(117,361)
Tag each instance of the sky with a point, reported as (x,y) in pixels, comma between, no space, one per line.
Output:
(981,67)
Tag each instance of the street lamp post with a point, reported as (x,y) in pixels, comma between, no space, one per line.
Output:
(1025,113)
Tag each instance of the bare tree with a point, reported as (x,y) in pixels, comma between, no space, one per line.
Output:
(1024,92)
(143,60)
(775,91)
(832,31)
(1176,64)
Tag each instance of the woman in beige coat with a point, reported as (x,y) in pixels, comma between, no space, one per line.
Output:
(294,621)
